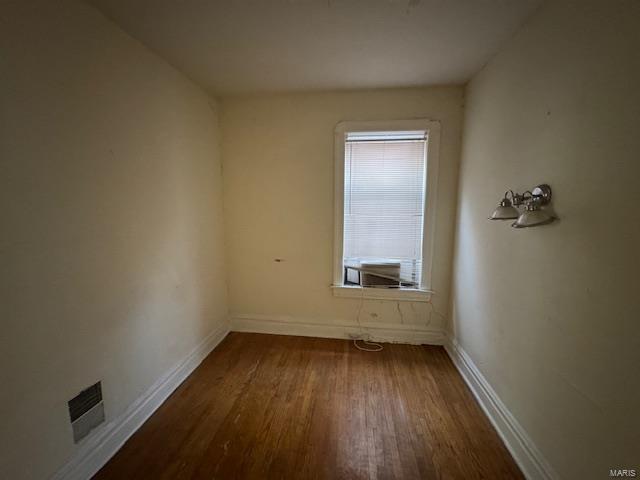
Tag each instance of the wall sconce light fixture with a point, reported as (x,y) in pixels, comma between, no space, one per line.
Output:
(532,202)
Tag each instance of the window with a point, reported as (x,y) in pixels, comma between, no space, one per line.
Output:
(385,195)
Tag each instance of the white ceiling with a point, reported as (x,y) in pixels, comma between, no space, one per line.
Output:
(242,46)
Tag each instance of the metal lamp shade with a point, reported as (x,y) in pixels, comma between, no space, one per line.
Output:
(505,211)
(532,217)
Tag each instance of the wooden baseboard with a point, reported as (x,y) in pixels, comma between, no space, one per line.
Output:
(105,441)
(381,332)
(533,465)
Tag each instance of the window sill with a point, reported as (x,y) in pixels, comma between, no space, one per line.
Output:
(395,294)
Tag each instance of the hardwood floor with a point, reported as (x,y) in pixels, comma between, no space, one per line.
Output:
(279,407)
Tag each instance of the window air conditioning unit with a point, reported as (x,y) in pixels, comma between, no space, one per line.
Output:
(380,274)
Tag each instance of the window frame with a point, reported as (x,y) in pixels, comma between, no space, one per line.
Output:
(423,293)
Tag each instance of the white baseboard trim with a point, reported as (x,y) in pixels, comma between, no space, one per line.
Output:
(381,332)
(105,441)
(533,465)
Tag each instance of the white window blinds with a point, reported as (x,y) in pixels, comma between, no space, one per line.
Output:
(384,200)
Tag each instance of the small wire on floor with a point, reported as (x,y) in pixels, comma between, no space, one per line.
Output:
(367,346)
(375,347)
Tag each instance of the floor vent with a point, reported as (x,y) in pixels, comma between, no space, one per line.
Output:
(86,411)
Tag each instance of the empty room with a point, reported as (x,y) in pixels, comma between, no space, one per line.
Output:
(319,239)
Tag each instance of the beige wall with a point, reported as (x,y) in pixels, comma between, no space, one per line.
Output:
(278,190)
(111,249)
(550,315)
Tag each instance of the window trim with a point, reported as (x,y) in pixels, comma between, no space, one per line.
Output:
(432,127)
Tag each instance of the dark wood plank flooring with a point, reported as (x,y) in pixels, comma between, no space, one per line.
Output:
(280,407)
